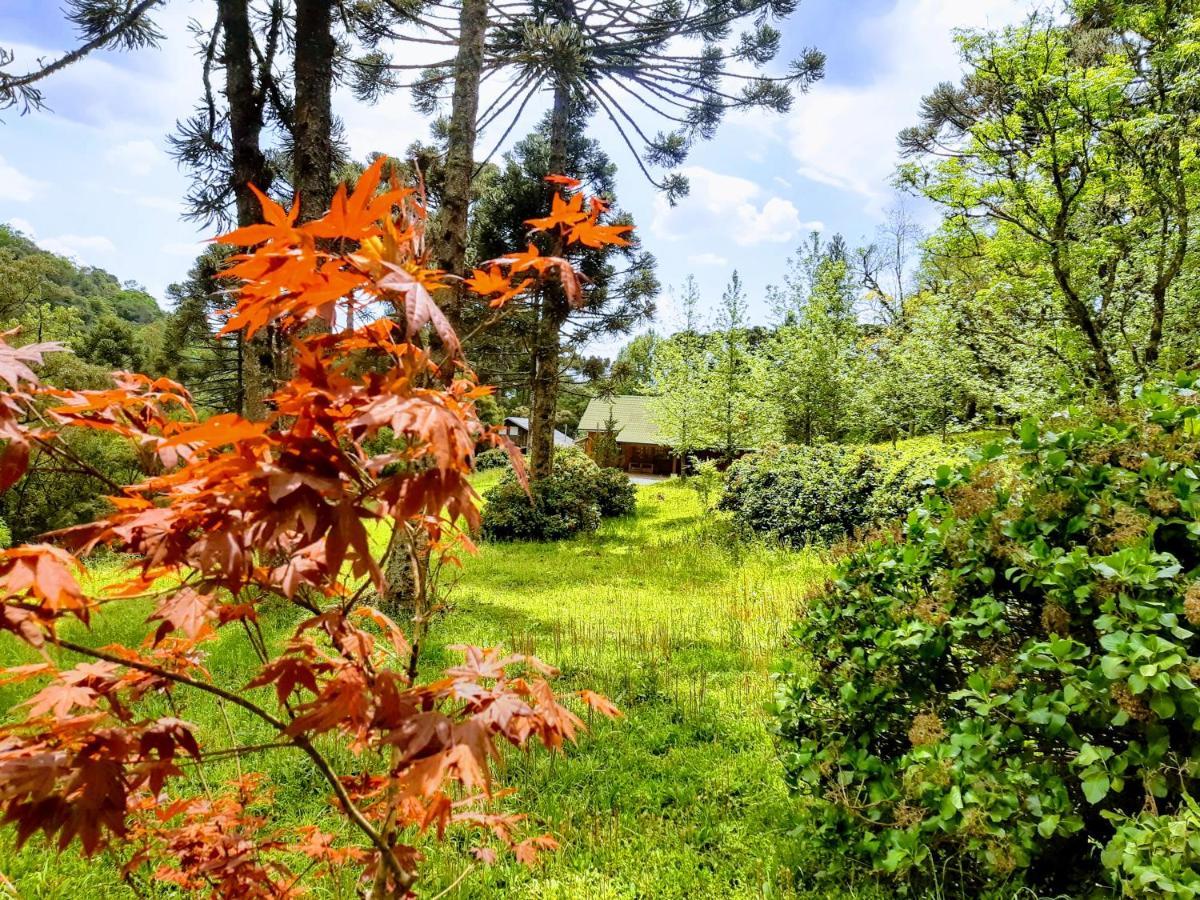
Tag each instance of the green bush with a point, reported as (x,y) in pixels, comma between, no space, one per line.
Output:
(492,459)
(1007,684)
(570,502)
(1157,856)
(556,508)
(615,493)
(905,479)
(800,495)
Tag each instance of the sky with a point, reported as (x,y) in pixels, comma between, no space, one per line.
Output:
(90,176)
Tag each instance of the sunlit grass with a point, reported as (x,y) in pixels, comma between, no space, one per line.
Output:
(665,613)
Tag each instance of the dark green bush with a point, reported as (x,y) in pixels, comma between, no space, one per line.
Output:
(555,509)
(492,459)
(1012,681)
(616,495)
(570,502)
(798,495)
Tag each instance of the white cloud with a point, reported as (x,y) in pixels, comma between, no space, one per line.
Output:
(723,209)
(83,247)
(708,259)
(166,204)
(134,157)
(24,226)
(845,135)
(15,185)
(189,249)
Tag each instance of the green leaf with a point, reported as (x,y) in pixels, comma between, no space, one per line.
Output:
(1047,826)
(1163,706)
(1095,787)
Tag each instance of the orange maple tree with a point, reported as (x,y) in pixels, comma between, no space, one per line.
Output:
(234,513)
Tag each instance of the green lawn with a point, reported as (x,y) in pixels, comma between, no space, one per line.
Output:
(664,613)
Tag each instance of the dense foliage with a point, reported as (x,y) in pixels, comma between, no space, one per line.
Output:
(572,501)
(803,494)
(492,459)
(1014,678)
(238,513)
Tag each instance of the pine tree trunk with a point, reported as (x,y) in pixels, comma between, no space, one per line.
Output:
(460,148)
(553,312)
(313,126)
(249,167)
(245,110)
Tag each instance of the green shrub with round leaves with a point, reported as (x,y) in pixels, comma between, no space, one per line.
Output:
(616,495)
(1153,855)
(492,459)
(802,495)
(572,501)
(555,508)
(1011,681)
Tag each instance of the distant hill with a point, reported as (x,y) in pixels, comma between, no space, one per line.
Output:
(61,282)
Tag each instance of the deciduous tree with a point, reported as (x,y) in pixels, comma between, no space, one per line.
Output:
(239,513)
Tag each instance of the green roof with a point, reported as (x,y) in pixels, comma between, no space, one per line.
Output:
(632,415)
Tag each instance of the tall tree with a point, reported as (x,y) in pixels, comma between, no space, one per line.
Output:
(539,334)
(813,351)
(1071,149)
(313,154)
(681,365)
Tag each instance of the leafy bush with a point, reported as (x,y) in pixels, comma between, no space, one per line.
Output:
(1015,677)
(798,495)
(557,507)
(905,479)
(570,502)
(706,480)
(492,459)
(615,493)
(1157,856)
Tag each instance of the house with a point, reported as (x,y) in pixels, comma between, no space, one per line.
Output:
(643,449)
(517,429)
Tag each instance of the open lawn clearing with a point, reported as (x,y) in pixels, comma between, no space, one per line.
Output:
(663,612)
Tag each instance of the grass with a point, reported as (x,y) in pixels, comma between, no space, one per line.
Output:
(662,612)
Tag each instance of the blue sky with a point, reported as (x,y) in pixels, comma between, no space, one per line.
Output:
(90,177)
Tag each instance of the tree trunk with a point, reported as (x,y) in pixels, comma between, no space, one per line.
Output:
(313,127)
(249,165)
(460,148)
(245,110)
(1101,366)
(552,316)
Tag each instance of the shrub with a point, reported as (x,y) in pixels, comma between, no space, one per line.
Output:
(706,480)
(492,459)
(1007,682)
(905,479)
(557,507)
(798,495)
(615,494)
(1157,856)
(803,494)
(570,502)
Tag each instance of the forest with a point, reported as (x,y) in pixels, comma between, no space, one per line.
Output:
(425,538)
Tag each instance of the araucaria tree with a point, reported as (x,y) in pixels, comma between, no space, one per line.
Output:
(646,66)
(239,514)
(535,337)
(1068,159)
